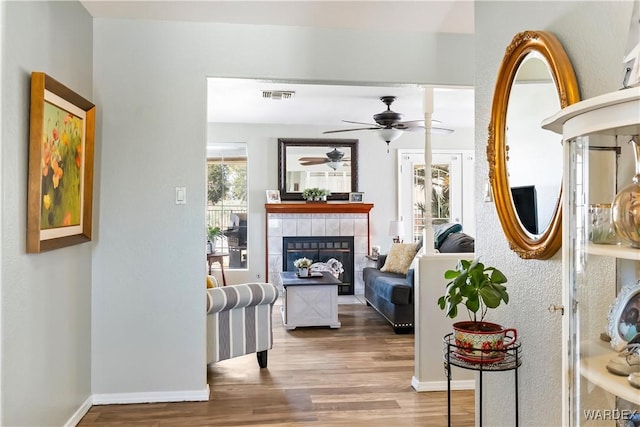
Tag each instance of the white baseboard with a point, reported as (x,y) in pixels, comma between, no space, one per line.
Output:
(123,398)
(442,385)
(152,397)
(81,412)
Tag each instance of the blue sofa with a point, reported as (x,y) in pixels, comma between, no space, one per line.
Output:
(391,294)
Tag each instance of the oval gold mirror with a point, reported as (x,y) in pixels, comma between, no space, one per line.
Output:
(535,80)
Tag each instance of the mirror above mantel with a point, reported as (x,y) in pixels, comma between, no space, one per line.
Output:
(535,80)
(324,163)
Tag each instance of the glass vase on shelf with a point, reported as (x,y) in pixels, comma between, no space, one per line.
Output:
(601,225)
(625,209)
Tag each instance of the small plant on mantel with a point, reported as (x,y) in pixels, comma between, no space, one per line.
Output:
(315,194)
(475,286)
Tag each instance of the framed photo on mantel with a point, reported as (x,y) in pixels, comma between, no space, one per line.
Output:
(356,197)
(273,196)
(60,183)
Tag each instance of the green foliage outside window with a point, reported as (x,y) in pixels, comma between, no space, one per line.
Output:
(439,191)
(227,182)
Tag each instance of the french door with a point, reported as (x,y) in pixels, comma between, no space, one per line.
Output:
(449,203)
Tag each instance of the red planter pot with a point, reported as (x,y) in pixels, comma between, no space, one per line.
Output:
(482,342)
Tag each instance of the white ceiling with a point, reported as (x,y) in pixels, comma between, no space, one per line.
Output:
(442,16)
(240,100)
(327,106)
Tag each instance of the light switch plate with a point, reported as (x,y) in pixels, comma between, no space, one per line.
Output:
(181,195)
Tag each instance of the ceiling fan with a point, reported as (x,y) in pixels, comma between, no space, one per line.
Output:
(334,159)
(390,124)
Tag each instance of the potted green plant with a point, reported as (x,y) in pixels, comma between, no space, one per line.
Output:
(315,194)
(213,235)
(478,288)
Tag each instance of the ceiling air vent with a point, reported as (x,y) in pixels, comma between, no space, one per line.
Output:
(278,95)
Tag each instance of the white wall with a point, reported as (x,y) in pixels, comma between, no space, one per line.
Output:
(46,298)
(150,82)
(594,35)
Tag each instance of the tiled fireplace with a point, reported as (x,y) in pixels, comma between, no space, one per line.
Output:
(337,219)
(322,249)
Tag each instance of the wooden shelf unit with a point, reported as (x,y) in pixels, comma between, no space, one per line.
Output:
(617,251)
(593,361)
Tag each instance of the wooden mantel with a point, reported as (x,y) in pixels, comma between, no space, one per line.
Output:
(329,207)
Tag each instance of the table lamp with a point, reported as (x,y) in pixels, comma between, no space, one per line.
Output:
(396,230)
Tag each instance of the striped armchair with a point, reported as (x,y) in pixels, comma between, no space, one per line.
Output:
(239,321)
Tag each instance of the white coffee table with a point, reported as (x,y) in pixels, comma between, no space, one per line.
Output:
(311,301)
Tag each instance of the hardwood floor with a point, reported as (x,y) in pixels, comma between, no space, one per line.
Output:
(357,375)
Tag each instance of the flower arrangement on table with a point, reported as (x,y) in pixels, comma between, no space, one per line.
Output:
(303,266)
(302,263)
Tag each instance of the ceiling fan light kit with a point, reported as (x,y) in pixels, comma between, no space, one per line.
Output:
(389,134)
(389,124)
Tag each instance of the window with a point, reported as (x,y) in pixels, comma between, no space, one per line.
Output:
(448,203)
(227,201)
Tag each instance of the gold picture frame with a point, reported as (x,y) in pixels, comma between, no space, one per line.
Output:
(61,150)
(527,44)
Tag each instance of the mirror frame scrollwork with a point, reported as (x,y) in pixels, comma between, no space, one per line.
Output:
(547,243)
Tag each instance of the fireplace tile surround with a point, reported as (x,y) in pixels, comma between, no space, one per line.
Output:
(317,219)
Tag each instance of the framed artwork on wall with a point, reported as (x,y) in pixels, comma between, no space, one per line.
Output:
(60,182)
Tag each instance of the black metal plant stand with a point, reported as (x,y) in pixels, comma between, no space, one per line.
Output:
(508,359)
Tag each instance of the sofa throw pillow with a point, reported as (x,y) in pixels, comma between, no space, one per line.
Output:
(212,282)
(458,242)
(442,231)
(399,258)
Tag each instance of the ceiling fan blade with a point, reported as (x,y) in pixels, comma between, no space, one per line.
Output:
(408,126)
(360,123)
(415,122)
(433,129)
(313,159)
(313,162)
(441,130)
(349,130)
(411,122)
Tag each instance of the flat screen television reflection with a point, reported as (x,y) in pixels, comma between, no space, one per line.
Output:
(524,200)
